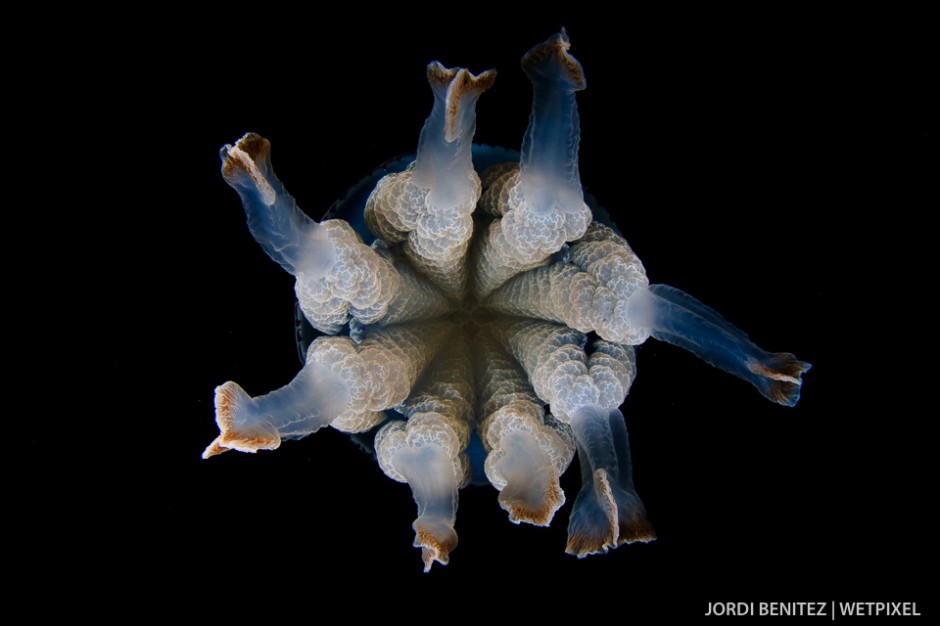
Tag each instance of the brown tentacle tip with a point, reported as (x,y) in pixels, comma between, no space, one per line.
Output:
(626,524)
(440,76)
(257,147)
(214,448)
(781,366)
(234,166)
(229,399)
(582,544)
(248,160)
(635,527)
(520,509)
(463,80)
(555,48)
(433,548)
(785,373)
(462,89)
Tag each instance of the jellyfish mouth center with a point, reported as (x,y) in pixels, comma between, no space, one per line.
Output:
(473,313)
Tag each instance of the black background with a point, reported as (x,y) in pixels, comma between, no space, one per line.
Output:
(739,154)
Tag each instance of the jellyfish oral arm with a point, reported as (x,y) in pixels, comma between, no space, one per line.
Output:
(549,164)
(541,203)
(443,163)
(338,276)
(677,318)
(607,511)
(274,219)
(428,206)
(527,451)
(429,471)
(531,489)
(311,401)
(592,292)
(342,384)
(429,450)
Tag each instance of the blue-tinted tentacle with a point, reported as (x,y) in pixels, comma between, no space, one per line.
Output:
(275,220)
(632,514)
(549,163)
(607,511)
(312,400)
(540,205)
(428,470)
(444,162)
(679,319)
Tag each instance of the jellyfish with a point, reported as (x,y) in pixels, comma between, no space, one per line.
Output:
(487,332)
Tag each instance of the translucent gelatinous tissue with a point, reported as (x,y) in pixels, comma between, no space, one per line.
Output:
(492,312)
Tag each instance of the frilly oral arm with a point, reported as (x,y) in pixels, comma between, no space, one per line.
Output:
(541,204)
(549,164)
(527,451)
(591,293)
(585,392)
(428,451)
(342,384)
(328,259)
(312,400)
(428,207)
(417,299)
(274,219)
(607,512)
(677,318)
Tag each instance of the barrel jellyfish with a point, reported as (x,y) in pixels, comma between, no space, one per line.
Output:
(475,319)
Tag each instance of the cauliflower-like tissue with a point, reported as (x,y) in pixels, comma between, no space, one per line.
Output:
(491,310)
